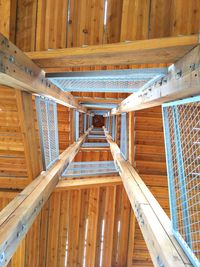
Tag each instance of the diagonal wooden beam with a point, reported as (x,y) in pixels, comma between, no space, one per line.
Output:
(162,50)
(19,72)
(153,221)
(18,216)
(182,81)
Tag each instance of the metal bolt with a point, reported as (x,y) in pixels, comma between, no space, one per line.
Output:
(2,257)
(159,261)
(11,59)
(192,66)
(178,74)
(18,234)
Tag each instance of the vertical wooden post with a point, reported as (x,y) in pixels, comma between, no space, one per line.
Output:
(131,159)
(27,124)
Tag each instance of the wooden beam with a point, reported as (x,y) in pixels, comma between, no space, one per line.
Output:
(131,133)
(153,221)
(99,100)
(18,216)
(19,72)
(69,184)
(95,148)
(182,81)
(163,50)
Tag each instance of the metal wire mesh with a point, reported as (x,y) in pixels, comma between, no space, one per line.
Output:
(182,140)
(89,168)
(99,85)
(124,136)
(76,123)
(113,126)
(107,81)
(108,123)
(47,122)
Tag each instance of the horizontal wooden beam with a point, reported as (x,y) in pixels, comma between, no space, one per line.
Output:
(182,81)
(18,216)
(99,100)
(100,149)
(153,221)
(102,67)
(19,72)
(69,184)
(163,50)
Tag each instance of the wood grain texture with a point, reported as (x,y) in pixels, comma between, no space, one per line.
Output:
(162,50)
(5,14)
(26,24)
(20,162)
(51,30)
(85,25)
(149,214)
(26,206)
(40,23)
(135,20)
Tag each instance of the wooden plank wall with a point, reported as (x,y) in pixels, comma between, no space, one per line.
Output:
(94,155)
(42,25)
(17,167)
(149,161)
(100,95)
(5,12)
(69,229)
(64,127)
(15,160)
(47,24)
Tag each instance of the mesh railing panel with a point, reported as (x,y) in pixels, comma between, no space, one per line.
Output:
(48,127)
(107,81)
(182,140)
(76,123)
(98,85)
(113,126)
(124,136)
(92,168)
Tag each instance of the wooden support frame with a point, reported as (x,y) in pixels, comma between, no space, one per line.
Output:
(182,81)
(19,72)
(153,221)
(163,50)
(131,133)
(18,216)
(98,100)
(69,184)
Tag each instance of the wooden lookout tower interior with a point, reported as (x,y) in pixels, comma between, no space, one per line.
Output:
(99,133)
